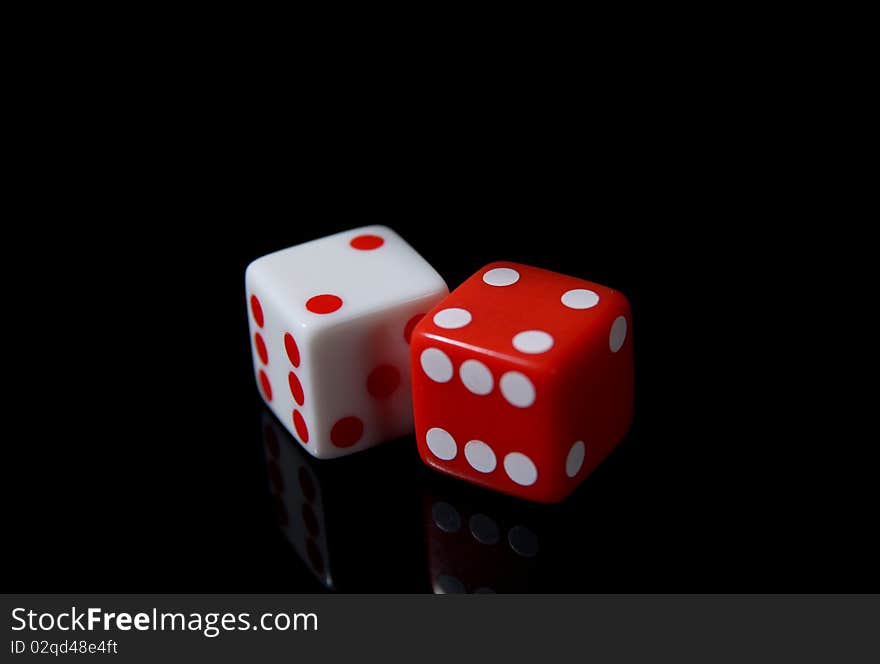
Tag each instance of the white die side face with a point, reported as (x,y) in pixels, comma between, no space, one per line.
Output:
(346,309)
(272,376)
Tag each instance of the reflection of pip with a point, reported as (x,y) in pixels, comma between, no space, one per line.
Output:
(350,523)
(479,546)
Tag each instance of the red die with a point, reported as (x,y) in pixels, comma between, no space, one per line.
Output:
(523,380)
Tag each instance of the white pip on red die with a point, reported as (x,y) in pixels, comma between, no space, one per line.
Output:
(523,380)
(330,324)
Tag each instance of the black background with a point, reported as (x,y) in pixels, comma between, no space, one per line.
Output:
(135,454)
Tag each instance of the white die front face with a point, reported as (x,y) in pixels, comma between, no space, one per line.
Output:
(346,301)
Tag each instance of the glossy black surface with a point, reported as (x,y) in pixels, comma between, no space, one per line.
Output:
(141,462)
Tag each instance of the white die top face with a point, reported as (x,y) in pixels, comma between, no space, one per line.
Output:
(343,276)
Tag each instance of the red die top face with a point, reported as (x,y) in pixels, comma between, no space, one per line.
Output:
(522,379)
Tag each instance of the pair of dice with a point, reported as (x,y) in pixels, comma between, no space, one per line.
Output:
(520,380)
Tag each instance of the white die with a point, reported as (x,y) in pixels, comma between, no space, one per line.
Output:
(330,322)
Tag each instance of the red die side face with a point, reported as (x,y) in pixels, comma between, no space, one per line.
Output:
(523,380)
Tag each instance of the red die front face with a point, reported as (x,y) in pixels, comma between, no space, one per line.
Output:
(523,380)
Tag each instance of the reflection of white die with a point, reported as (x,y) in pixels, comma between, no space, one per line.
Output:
(299,500)
(330,322)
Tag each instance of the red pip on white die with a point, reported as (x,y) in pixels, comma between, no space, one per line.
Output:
(330,325)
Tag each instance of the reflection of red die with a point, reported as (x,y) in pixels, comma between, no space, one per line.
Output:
(523,380)
(483,546)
